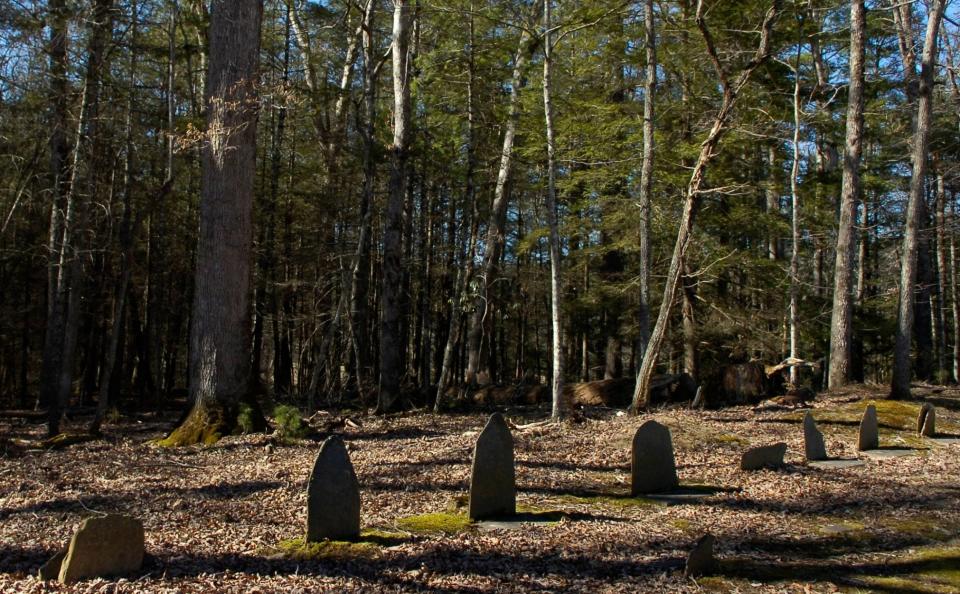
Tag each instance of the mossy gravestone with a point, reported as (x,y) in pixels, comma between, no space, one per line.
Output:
(927,420)
(652,468)
(333,495)
(813,444)
(103,546)
(869,437)
(493,489)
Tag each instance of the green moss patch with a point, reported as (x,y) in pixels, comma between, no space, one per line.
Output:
(931,569)
(367,547)
(436,523)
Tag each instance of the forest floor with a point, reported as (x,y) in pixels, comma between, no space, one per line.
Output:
(216,516)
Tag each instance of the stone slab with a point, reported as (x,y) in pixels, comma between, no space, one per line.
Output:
(333,495)
(493,488)
(888,454)
(105,546)
(770,456)
(835,464)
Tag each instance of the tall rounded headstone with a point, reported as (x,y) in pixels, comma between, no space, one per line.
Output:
(333,495)
(493,490)
(652,468)
(869,437)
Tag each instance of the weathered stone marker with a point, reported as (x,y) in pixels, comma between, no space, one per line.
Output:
(814,446)
(104,546)
(652,468)
(869,437)
(770,456)
(333,495)
(927,420)
(493,488)
(700,561)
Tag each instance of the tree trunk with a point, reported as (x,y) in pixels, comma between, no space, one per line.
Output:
(646,178)
(483,309)
(841,321)
(220,324)
(556,383)
(391,344)
(691,201)
(900,384)
(795,222)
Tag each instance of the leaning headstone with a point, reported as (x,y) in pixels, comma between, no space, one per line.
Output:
(700,561)
(333,495)
(770,456)
(493,489)
(927,420)
(869,437)
(105,546)
(653,469)
(813,443)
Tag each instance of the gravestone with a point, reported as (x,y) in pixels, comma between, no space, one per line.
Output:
(927,420)
(770,456)
(813,444)
(653,469)
(869,437)
(493,489)
(104,546)
(700,561)
(333,495)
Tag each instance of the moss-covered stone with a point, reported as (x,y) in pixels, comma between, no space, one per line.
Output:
(439,522)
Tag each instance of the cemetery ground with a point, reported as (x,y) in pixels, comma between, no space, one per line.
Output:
(224,518)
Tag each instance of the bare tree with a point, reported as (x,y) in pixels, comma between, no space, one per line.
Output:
(646,175)
(731,91)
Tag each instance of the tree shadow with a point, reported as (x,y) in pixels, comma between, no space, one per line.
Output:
(89,504)
(23,559)
(226,490)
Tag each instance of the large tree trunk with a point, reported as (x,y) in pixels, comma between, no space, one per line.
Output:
(731,91)
(60,176)
(391,343)
(220,324)
(841,321)
(900,384)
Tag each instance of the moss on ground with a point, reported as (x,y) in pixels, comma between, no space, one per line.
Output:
(930,569)
(891,414)
(366,547)
(621,501)
(436,523)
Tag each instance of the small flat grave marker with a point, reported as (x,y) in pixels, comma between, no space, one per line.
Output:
(869,436)
(770,456)
(813,443)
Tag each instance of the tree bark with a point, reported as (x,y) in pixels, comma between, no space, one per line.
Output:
(391,344)
(900,384)
(220,324)
(646,177)
(841,321)
(556,288)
